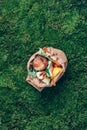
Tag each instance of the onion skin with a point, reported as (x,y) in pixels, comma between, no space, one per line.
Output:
(40,63)
(41,75)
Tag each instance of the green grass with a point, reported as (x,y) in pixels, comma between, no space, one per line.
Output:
(26,25)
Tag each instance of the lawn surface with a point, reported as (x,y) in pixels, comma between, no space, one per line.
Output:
(26,25)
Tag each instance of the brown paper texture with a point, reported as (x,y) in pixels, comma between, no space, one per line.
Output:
(54,54)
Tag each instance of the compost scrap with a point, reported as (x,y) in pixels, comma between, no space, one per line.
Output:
(46,67)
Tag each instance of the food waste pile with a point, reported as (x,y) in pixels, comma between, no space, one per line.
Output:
(44,67)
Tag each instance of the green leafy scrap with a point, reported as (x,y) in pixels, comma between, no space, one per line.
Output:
(32,72)
(48,69)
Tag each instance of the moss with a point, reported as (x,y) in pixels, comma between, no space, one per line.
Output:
(25,26)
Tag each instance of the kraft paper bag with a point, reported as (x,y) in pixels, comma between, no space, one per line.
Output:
(54,54)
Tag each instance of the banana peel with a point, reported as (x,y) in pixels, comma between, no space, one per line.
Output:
(55,72)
